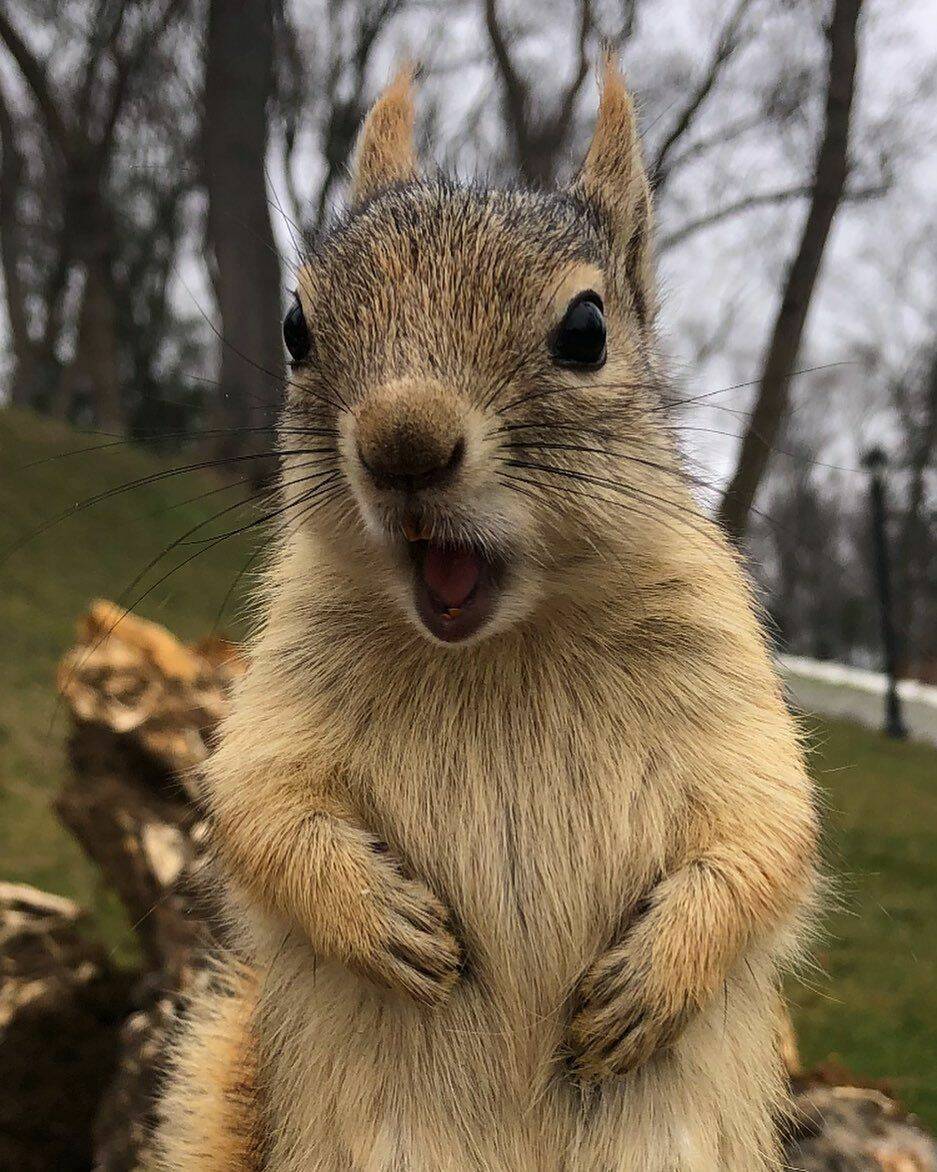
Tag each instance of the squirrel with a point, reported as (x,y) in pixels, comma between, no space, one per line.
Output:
(513,821)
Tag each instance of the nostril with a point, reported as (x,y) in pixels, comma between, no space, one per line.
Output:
(410,470)
(456,457)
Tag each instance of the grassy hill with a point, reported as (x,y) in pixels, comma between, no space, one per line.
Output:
(48,581)
(870,1003)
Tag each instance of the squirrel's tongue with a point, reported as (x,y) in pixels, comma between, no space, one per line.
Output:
(451,574)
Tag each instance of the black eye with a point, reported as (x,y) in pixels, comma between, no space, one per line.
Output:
(579,339)
(296,332)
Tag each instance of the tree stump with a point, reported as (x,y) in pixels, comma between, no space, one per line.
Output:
(61,1008)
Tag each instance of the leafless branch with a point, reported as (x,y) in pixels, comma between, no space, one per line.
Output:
(128,65)
(729,132)
(34,73)
(760,199)
(567,106)
(105,28)
(747,203)
(539,141)
(514,88)
(726,46)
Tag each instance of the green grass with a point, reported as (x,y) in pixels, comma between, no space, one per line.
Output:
(871,1007)
(47,583)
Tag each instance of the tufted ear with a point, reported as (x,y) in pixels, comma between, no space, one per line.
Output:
(385,152)
(613,178)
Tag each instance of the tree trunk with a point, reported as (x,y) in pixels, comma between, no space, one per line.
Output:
(12,173)
(829,183)
(238,86)
(94,372)
(914,545)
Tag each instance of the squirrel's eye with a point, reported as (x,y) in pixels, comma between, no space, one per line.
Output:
(296,332)
(579,339)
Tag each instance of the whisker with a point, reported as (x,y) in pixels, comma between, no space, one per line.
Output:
(677,471)
(136,440)
(140,482)
(210,543)
(525,355)
(281,381)
(675,509)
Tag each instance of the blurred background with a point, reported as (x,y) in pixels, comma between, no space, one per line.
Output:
(162,164)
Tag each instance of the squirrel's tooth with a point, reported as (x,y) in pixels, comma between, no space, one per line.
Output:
(453,612)
(411,530)
(426,532)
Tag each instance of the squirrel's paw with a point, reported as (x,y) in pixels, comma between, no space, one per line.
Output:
(413,947)
(618,1021)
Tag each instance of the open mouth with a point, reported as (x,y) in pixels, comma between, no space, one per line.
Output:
(455,587)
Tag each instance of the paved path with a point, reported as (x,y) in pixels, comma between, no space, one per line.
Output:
(852,693)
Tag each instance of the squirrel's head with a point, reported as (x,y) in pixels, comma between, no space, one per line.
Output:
(471,420)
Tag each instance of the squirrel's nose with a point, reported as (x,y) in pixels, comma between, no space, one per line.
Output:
(409,470)
(410,436)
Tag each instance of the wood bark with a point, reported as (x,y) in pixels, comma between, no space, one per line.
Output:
(62,1003)
(829,183)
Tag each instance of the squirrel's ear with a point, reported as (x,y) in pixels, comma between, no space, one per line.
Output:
(614,179)
(385,152)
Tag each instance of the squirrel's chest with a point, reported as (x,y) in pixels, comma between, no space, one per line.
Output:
(535,837)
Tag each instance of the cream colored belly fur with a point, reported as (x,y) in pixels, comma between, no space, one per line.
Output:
(541,866)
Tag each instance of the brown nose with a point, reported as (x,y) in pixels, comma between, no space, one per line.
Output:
(410,435)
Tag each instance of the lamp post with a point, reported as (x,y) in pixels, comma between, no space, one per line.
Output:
(875,462)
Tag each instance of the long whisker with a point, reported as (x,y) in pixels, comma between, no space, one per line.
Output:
(676,471)
(631,508)
(681,402)
(136,440)
(185,538)
(547,389)
(140,482)
(338,404)
(526,354)
(673,508)
(209,544)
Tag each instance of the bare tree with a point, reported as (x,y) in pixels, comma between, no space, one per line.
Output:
(828,187)
(80,124)
(239,84)
(540,135)
(916,547)
(730,39)
(329,89)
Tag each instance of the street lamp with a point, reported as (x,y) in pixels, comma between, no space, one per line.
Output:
(875,461)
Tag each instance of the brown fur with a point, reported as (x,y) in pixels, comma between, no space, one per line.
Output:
(384,152)
(212,1103)
(598,805)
